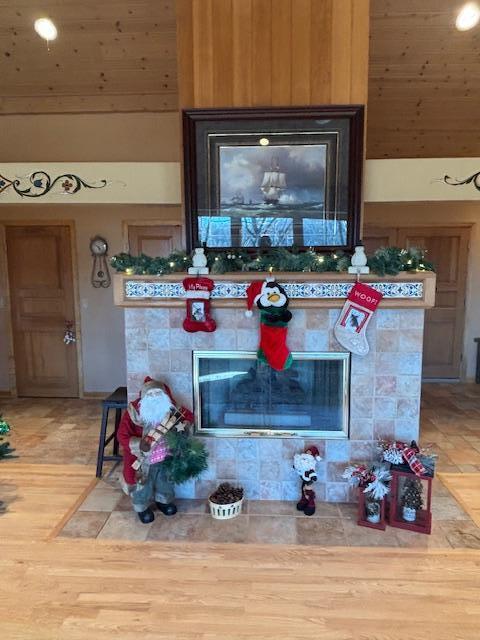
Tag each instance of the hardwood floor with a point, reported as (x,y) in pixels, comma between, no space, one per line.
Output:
(74,589)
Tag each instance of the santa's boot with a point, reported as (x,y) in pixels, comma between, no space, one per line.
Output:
(302,504)
(146,516)
(168,509)
(309,510)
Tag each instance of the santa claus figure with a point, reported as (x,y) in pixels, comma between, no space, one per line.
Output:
(305,464)
(140,433)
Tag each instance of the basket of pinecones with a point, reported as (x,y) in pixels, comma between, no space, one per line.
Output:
(226,501)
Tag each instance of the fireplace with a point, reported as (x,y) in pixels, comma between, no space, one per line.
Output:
(237,395)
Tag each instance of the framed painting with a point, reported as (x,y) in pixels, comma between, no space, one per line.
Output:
(279,177)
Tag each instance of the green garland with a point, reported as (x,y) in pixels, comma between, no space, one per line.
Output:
(385,261)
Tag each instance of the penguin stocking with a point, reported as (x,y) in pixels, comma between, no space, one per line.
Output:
(272,301)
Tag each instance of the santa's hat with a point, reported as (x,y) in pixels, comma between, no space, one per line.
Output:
(254,292)
(314,452)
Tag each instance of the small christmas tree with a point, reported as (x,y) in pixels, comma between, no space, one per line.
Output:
(5,449)
(188,456)
(412,494)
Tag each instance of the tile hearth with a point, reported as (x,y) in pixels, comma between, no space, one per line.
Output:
(106,514)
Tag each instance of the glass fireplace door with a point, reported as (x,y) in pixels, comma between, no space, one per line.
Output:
(236,395)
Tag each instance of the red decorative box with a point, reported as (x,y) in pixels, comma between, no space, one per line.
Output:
(410,502)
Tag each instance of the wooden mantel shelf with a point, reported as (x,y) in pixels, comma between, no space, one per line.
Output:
(306,290)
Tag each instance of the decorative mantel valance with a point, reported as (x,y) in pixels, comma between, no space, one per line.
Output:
(406,290)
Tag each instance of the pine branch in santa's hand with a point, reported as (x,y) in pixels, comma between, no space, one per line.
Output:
(188,456)
(226,494)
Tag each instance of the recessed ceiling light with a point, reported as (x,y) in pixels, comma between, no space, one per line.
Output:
(264,142)
(468,16)
(45,29)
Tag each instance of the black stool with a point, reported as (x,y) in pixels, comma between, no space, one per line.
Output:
(118,401)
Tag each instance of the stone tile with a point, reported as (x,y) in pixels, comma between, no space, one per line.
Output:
(411,318)
(185,490)
(269,489)
(176,317)
(158,338)
(387,319)
(348,510)
(333,315)
(272,530)
(361,407)
(291,446)
(408,385)
(410,340)
(226,447)
(385,408)
(361,429)
(461,534)
(136,359)
(124,525)
(202,341)
(411,539)
(204,488)
(291,490)
(247,340)
(362,365)
(358,536)
(226,468)
(180,339)
(316,340)
(447,508)
(233,530)
(317,319)
(158,362)
(362,387)
(136,338)
(124,503)
(134,318)
(84,524)
(337,492)
(182,526)
(156,318)
(247,470)
(271,469)
(408,407)
(335,471)
(102,498)
(387,340)
(320,531)
(272,508)
(247,449)
(385,385)
(299,320)
(384,429)
(269,448)
(181,360)
(386,363)
(406,430)
(225,339)
(409,363)
(296,339)
(337,450)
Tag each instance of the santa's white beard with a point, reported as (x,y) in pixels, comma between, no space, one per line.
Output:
(154,407)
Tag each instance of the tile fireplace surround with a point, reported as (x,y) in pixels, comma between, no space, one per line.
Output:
(384,385)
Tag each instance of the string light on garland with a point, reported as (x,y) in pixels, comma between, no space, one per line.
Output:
(385,261)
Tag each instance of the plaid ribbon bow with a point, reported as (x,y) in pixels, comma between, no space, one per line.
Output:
(410,456)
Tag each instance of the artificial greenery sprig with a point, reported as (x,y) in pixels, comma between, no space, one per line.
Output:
(385,261)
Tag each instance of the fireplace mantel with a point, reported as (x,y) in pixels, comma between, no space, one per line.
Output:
(306,290)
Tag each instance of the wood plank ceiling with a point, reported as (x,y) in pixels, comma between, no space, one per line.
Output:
(114,55)
(110,55)
(424,81)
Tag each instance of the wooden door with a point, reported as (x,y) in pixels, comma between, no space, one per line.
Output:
(154,240)
(376,237)
(41,291)
(447,248)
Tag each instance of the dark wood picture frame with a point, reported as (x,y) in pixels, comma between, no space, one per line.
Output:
(202,125)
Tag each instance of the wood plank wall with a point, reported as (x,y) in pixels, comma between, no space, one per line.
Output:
(272,52)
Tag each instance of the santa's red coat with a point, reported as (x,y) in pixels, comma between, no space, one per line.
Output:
(128,429)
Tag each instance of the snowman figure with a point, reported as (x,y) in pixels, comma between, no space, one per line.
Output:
(359,261)
(199,262)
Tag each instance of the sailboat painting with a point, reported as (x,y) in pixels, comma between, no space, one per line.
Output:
(286,178)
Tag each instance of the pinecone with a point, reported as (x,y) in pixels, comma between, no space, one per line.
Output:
(226,494)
